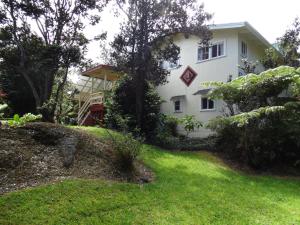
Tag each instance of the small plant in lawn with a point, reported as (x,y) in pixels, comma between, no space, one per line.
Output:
(126,149)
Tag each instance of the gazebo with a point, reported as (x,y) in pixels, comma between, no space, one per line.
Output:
(92,86)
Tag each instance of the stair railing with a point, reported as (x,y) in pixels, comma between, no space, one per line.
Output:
(91,99)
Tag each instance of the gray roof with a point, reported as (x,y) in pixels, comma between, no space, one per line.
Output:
(222,26)
(177,96)
(241,25)
(202,91)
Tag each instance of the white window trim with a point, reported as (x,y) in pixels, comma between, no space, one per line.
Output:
(210,51)
(207,110)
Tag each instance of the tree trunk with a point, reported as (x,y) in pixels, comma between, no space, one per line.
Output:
(35,94)
(139,97)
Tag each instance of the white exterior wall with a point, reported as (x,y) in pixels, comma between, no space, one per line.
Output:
(255,51)
(217,69)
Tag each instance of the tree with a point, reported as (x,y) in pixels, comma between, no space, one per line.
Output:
(146,39)
(57,42)
(288,46)
(120,108)
(265,127)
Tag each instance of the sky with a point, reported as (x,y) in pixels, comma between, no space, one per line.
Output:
(269,17)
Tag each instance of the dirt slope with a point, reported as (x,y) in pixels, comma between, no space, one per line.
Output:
(41,153)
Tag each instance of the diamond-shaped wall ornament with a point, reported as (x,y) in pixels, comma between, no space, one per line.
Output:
(188,76)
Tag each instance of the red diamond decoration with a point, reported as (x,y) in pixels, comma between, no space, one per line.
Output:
(188,76)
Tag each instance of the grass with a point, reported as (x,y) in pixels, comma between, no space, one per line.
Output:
(190,188)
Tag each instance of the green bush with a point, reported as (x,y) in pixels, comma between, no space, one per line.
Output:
(18,121)
(187,144)
(168,138)
(190,124)
(125,151)
(122,103)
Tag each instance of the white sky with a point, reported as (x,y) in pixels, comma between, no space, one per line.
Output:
(269,17)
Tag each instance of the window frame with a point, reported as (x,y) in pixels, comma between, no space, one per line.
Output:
(207,109)
(210,51)
(180,106)
(175,65)
(244,49)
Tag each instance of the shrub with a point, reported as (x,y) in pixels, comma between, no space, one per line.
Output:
(122,102)
(187,144)
(126,149)
(18,121)
(190,124)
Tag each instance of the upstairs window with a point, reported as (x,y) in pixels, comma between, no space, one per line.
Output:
(217,50)
(177,106)
(173,65)
(244,49)
(207,104)
(214,51)
(169,65)
(203,53)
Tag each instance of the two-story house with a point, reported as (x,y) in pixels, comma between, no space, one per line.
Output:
(183,93)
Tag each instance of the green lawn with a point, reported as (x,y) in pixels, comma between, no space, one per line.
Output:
(190,188)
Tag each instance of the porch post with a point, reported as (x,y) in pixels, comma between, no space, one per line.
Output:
(92,84)
(105,80)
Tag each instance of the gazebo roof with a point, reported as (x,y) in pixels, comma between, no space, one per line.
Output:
(101,71)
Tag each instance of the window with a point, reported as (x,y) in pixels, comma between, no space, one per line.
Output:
(244,49)
(214,51)
(163,65)
(169,65)
(177,107)
(207,104)
(173,65)
(217,50)
(203,53)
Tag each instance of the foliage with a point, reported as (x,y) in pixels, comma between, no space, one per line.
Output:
(67,106)
(265,127)
(18,121)
(120,107)
(271,58)
(288,45)
(167,136)
(3,108)
(248,66)
(254,91)
(190,124)
(169,124)
(189,188)
(33,57)
(185,143)
(146,39)
(125,150)
(166,130)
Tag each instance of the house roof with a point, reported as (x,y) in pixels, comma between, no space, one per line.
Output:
(244,27)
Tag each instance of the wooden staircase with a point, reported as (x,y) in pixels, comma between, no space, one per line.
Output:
(92,110)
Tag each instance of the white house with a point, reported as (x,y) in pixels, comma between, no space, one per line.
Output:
(230,43)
